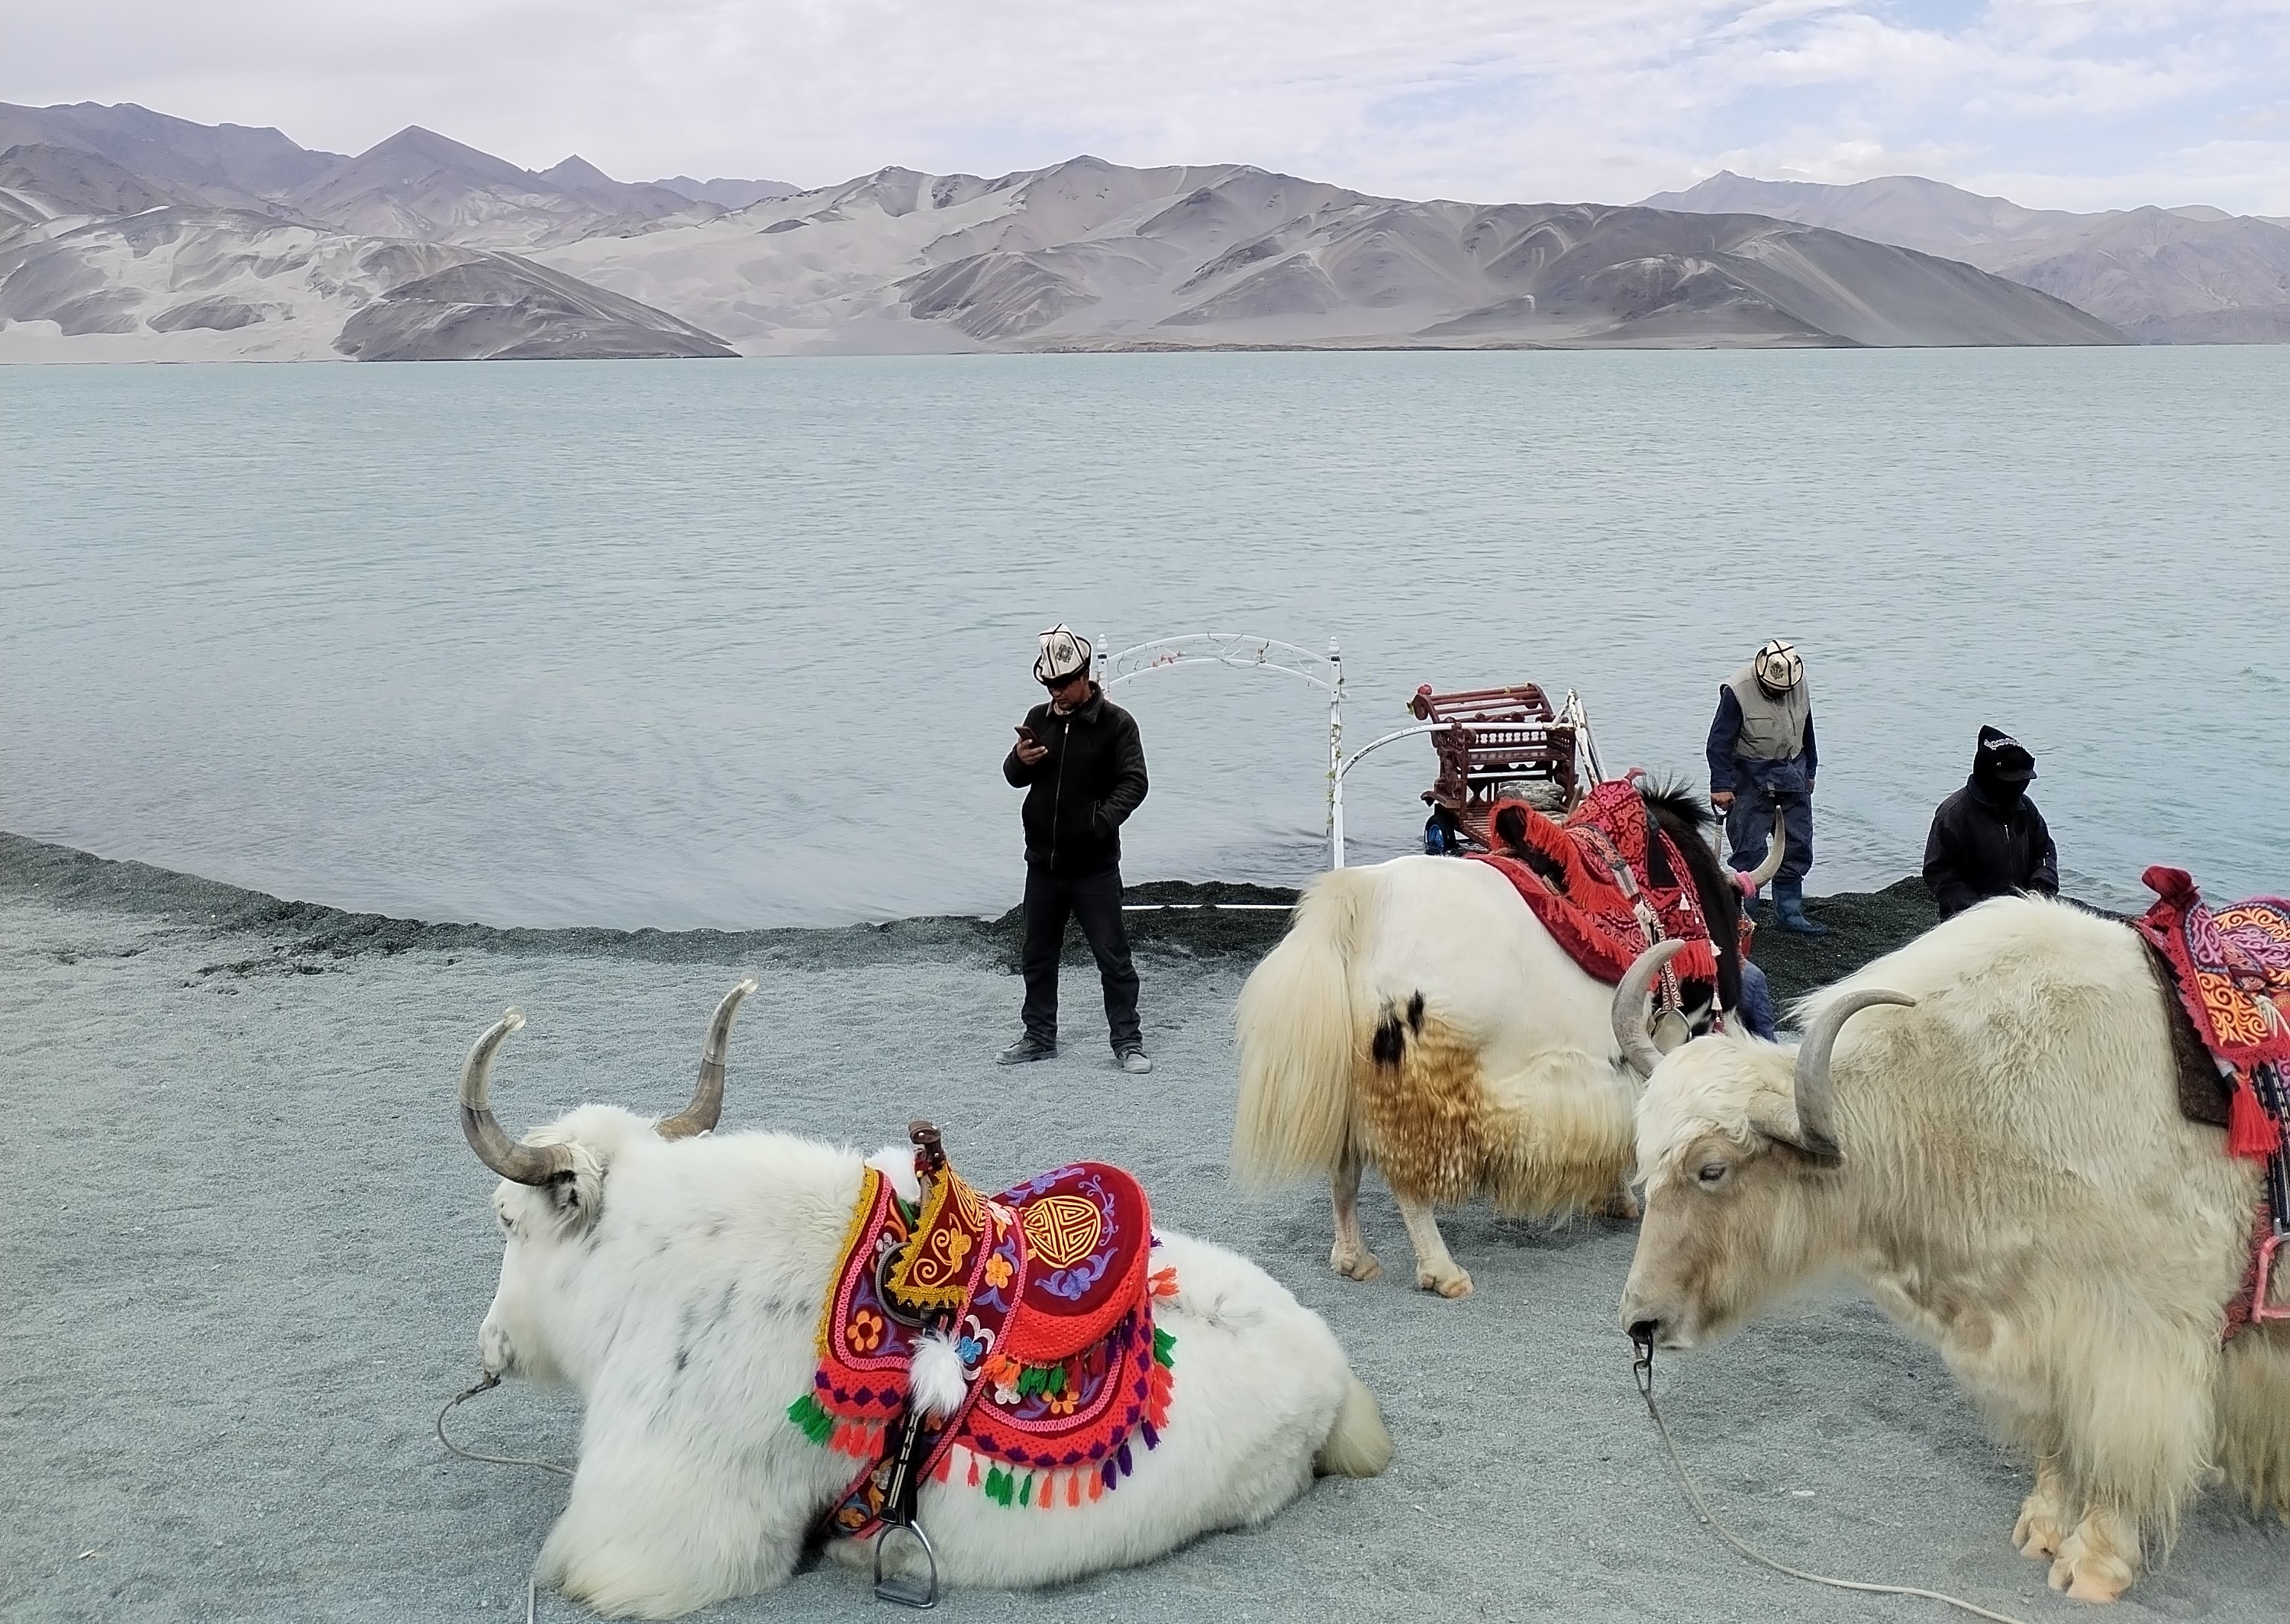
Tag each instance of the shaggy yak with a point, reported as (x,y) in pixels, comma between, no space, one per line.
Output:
(1419,1017)
(2003,1165)
(676,1277)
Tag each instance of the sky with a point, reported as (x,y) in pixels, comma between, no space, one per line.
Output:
(2080,104)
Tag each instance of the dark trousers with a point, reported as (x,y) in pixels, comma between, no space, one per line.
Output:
(1749,826)
(1094,900)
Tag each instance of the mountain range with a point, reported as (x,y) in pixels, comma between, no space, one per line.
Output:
(126,233)
(1087,255)
(2181,276)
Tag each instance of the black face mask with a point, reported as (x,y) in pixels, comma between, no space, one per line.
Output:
(2001,793)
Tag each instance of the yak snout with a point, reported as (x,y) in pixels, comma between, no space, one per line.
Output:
(1650,1324)
(496,1351)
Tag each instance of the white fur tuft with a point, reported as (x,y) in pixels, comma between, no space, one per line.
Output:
(896,1163)
(935,1379)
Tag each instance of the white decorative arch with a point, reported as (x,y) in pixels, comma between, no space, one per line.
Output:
(1247,650)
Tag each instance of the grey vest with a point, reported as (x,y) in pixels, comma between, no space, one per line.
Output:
(1772,729)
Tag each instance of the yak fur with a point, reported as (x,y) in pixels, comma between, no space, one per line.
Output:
(2017,1187)
(1417,1018)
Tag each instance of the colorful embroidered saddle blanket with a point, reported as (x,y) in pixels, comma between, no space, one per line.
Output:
(1045,1294)
(1604,908)
(2232,970)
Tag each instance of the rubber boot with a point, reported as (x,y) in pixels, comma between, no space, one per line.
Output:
(1754,905)
(1788,908)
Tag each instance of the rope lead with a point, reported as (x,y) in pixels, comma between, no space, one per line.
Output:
(1642,1371)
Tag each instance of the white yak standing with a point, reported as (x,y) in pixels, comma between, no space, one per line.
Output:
(676,1277)
(1418,1018)
(2005,1169)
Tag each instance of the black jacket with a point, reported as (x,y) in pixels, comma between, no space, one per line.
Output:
(1079,794)
(1988,841)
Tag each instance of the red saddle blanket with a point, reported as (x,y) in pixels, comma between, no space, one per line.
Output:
(1044,1293)
(1602,924)
(2232,969)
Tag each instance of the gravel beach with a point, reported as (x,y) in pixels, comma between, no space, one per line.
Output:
(244,1254)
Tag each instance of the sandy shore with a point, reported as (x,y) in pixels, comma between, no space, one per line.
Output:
(244,1254)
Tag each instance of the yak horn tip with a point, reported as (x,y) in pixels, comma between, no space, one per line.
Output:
(513,1018)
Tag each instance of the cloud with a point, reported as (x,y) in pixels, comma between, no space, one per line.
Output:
(1475,99)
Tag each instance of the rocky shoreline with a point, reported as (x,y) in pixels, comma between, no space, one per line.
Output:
(1177,917)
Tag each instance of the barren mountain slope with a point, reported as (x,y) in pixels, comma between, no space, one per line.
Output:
(219,165)
(184,285)
(418,184)
(2191,275)
(1090,254)
(724,192)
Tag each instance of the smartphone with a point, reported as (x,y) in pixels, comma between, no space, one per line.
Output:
(1026,735)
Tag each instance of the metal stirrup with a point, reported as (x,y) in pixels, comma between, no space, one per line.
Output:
(905,1591)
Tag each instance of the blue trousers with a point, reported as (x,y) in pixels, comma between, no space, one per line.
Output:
(1759,789)
(1756,1011)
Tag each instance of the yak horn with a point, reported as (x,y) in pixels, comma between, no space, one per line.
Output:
(1762,876)
(1630,1007)
(524,1163)
(707,1093)
(1816,1097)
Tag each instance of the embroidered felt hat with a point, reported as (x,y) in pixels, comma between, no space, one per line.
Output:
(1777,666)
(1065,655)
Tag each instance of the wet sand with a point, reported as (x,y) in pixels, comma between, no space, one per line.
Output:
(245,1253)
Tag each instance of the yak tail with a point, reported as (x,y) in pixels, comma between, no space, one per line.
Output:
(1358,1445)
(1296,1037)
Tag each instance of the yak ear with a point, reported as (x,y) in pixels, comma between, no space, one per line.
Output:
(1785,1132)
(576,1196)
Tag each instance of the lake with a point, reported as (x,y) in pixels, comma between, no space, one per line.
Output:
(740,645)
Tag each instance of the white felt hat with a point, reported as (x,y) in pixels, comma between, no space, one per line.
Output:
(1778,666)
(1064,654)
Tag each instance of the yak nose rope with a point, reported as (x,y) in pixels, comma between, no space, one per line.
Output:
(1642,1369)
(486,1385)
(490,1382)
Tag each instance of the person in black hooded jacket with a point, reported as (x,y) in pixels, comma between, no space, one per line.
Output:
(1988,839)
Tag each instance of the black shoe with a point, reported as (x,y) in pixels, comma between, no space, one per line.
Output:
(1024,1050)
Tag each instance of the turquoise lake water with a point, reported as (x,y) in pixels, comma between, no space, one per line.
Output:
(740,645)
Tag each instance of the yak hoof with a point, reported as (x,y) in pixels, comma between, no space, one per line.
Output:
(1354,1265)
(1450,1283)
(2037,1534)
(2087,1586)
(2089,1575)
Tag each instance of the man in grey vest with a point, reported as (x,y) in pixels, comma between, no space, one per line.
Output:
(1761,760)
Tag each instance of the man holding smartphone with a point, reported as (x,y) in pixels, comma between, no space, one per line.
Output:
(1082,765)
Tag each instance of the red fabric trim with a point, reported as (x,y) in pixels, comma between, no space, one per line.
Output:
(1595,922)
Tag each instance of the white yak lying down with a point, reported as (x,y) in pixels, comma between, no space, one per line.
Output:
(676,1277)
(2002,1166)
